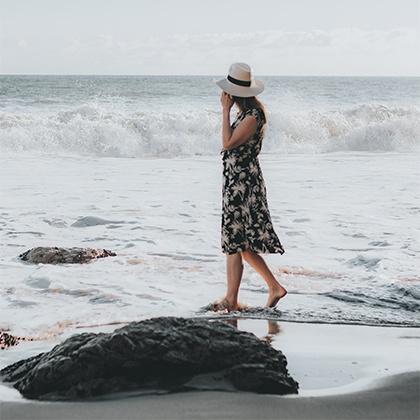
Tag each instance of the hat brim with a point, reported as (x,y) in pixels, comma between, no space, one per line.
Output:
(257,86)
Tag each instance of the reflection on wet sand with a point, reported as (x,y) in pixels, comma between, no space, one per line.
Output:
(273,328)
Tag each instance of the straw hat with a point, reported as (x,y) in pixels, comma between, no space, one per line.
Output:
(240,81)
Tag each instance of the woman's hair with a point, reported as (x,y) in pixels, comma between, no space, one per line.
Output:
(248,103)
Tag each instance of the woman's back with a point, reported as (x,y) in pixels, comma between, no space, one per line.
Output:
(254,143)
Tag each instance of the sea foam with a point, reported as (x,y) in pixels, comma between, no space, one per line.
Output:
(95,130)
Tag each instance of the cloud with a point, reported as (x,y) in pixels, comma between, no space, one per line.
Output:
(323,52)
(339,51)
(22,43)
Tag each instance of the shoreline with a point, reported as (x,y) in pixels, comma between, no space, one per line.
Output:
(264,314)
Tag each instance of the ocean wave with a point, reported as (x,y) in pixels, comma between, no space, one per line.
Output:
(393,304)
(393,297)
(95,131)
(312,317)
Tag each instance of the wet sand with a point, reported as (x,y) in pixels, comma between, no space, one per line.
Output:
(344,372)
(395,398)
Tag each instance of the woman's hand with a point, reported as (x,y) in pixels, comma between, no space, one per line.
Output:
(226,101)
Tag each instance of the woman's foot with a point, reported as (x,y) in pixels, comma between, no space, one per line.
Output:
(275,295)
(225,305)
(242,306)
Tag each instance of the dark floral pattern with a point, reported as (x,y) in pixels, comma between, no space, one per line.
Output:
(246,221)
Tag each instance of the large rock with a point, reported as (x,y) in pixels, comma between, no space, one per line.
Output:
(55,255)
(166,353)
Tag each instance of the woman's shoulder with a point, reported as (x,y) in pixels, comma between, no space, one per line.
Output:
(257,112)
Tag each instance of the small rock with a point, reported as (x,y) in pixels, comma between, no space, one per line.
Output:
(8,340)
(93,221)
(55,255)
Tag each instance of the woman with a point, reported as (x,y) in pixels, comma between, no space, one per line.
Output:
(247,230)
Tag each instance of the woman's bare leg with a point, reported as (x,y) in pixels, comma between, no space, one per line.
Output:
(234,270)
(276,290)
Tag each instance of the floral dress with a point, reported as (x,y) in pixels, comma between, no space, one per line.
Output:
(246,221)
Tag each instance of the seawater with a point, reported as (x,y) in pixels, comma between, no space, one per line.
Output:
(140,157)
(141,116)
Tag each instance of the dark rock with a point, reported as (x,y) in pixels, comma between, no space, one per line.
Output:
(55,255)
(165,353)
(8,340)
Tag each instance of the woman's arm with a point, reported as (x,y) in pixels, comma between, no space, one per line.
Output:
(241,133)
(226,128)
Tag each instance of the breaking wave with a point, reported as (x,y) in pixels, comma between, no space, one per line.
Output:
(394,297)
(95,131)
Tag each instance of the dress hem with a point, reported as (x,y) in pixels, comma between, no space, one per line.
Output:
(253,250)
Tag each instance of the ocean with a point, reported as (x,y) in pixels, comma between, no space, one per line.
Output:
(138,156)
(180,116)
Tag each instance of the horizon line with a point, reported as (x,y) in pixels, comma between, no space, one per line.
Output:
(201,75)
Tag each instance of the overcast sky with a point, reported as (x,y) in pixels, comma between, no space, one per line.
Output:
(277,37)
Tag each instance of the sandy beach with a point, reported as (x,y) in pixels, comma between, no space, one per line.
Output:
(136,190)
(355,272)
(395,398)
(344,372)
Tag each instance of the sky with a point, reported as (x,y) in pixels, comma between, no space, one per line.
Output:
(162,37)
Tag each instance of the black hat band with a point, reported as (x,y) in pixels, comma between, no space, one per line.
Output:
(239,82)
